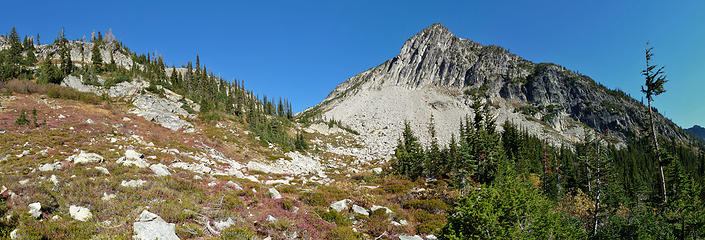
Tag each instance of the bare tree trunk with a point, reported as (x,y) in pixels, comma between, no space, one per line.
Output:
(598,184)
(657,152)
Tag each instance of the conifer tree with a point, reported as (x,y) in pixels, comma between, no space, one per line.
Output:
(96,58)
(655,79)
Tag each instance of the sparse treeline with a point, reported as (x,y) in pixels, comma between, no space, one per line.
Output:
(216,96)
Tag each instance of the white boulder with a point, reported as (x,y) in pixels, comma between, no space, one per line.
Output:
(273,193)
(360,210)
(35,210)
(84,157)
(342,205)
(160,169)
(80,213)
(133,158)
(50,167)
(133,183)
(407,237)
(386,209)
(149,226)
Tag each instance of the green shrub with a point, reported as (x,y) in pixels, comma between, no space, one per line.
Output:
(22,119)
(428,223)
(118,78)
(300,143)
(189,230)
(345,233)
(231,202)
(154,89)
(336,217)
(287,205)
(512,209)
(430,205)
(237,234)
(62,92)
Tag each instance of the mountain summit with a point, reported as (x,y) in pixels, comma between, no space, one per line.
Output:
(697,131)
(440,75)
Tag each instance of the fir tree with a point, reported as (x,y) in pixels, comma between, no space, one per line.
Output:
(655,79)
(96,58)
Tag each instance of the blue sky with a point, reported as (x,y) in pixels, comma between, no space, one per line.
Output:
(301,50)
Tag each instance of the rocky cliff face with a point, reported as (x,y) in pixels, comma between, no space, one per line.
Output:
(439,74)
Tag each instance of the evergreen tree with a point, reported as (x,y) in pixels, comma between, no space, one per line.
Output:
(65,54)
(96,58)
(655,79)
(409,154)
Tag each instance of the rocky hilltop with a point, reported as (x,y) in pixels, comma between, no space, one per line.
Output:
(697,131)
(437,73)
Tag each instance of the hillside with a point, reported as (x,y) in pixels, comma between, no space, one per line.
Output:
(439,74)
(697,131)
(136,149)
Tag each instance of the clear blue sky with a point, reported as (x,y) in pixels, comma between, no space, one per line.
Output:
(302,49)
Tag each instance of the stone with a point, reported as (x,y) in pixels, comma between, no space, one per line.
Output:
(133,158)
(24,181)
(377,170)
(386,209)
(160,169)
(35,210)
(3,189)
(54,179)
(50,167)
(299,164)
(273,193)
(161,111)
(431,237)
(133,183)
(222,225)
(61,116)
(270,218)
(407,237)
(360,210)
(14,234)
(80,213)
(149,226)
(132,154)
(103,170)
(233,185)
(89,121)
(126,119)
(342,205)
(193,167)
(84,157)
(108,197)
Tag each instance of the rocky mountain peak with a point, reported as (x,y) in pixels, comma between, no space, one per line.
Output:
(697,131)
(439,74)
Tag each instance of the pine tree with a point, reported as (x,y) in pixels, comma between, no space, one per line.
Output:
(655,79)
(65,54)
(96,58)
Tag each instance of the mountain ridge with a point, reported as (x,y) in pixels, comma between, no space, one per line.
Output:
(697,131)
(444,75)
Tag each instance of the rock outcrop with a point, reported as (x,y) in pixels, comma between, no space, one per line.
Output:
(439,74)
